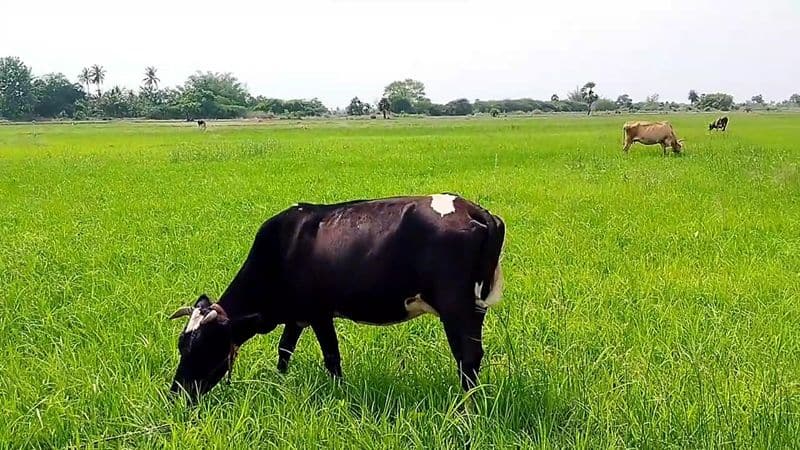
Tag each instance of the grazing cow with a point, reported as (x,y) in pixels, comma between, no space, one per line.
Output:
(719,124)
(378,262)
(649,133)
(201,123)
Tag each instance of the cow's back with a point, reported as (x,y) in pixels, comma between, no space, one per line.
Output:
(362,259)
(648,132)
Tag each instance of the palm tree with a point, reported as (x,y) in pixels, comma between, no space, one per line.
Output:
(693,97)
(383,106)
(85,77)
(98,74)
(588,95)
(150,79)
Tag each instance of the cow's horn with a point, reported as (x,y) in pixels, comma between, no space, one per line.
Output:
(185,311)
(210,317)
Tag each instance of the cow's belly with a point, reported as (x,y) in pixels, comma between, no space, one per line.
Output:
(647,141)
(383,312)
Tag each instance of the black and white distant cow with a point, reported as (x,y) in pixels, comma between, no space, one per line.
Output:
(201,124)
(719,124)
(378,262)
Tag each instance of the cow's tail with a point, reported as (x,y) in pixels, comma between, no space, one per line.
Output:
(624,134)
(489,279)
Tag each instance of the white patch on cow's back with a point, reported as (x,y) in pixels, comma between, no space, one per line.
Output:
(194,321)
(416,306)
(443,203)
(495,294)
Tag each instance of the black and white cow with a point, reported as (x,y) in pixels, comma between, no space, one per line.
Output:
(379,262)
(720,123)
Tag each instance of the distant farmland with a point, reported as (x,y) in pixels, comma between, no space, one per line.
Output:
(650,301)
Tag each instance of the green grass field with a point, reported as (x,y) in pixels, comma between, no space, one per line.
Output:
(650,302)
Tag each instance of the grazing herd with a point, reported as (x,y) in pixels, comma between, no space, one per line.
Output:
(662,133)
(378,262)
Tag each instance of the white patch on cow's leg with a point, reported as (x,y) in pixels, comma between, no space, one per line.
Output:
(443,203)
(416,307)
(194,321)
(494,294)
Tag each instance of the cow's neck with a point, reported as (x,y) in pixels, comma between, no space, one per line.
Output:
(243,304)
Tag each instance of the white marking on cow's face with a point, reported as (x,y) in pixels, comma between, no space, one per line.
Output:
(194,321)
(416,307)
(443,203)
(495,293)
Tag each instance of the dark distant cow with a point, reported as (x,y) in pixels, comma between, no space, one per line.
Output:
(201,124)
(719,124)
(650,133)
(378,262)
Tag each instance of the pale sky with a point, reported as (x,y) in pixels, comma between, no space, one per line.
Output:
(337,49)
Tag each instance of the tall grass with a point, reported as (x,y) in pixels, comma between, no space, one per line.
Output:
(650,302)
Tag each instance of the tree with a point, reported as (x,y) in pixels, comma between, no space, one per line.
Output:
(216,95)
(436,109)
(413,90)
(575,96)
(652,99)
(356,108)
(150,79)
(758,99)
(56,96)
(693,97)
(624,101)
(406,96)
(118,102)
(795,98)
(384,106)
(718,101)
(97,76)
(16,94)
(554,98)
(401,105)
(460,107)
(588,95)
(85,77)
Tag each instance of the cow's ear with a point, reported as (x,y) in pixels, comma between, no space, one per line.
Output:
(203,302)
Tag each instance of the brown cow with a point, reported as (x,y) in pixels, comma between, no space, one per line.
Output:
(650,133)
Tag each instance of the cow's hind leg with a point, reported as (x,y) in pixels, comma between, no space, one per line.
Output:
(328,342)
(463,323)
(289,338)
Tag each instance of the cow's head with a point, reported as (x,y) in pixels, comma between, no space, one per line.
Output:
(679,145)
(206,346)
(712,125)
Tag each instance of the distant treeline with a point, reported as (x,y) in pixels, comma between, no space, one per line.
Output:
(211,95)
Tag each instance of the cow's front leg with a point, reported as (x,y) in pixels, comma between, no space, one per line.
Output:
(326,335)
(289,338)
(464,334)
(626,146)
